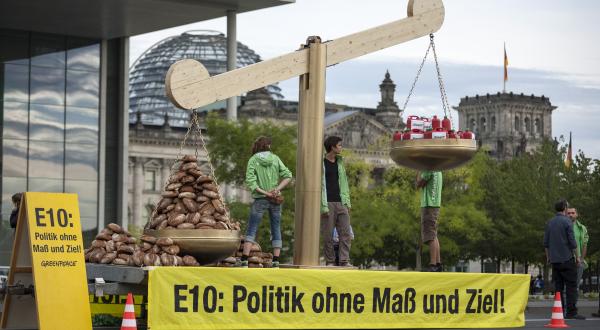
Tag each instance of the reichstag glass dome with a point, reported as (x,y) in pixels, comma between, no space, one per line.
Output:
(147,74)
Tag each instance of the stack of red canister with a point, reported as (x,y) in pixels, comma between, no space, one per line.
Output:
(430,128)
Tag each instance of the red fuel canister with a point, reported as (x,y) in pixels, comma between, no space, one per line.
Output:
(414,122)
(468,135)
(435,122)
(439,133)
(446,124)
(397,136)
(416,134)
(453,135)
(426,124)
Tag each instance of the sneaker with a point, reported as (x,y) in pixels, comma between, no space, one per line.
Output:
(345,264)
(275,264)
(439,267)
(243,264)
(330,264)
(575,317)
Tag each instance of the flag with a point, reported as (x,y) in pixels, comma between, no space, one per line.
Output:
(569,158)
(505,64)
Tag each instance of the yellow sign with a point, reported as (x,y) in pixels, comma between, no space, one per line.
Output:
(225,298)
(49,246)
(115,305)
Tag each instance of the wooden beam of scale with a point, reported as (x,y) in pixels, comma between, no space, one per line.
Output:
(189,85)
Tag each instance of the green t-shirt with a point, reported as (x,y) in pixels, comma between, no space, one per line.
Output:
(581,236)
(431,195)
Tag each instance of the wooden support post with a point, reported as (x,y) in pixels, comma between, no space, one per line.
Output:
(309,163)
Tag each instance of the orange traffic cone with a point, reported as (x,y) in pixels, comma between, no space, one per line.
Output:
(129,315)
(557,320)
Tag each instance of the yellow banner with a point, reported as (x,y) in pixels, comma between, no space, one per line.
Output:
(238,298)
(58,262)
(115,305)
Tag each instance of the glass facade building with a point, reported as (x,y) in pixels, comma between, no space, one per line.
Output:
(49,101)
(64,97)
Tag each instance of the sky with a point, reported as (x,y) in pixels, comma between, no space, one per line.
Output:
(552,48)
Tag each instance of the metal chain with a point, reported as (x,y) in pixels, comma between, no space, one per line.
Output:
(173,166)
(445,103)
(196,122)
(412,88)
(192,115)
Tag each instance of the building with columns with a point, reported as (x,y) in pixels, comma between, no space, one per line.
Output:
(507,124)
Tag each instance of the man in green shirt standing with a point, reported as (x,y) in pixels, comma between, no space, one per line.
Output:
(430,183)
(335,204)
(582,238)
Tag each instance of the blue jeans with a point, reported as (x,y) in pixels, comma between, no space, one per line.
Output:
(564,276)
(259,207)
(580,269)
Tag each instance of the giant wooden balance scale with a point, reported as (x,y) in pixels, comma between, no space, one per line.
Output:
(189,86)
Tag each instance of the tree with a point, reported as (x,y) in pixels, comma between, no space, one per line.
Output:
(490,210)
(583,192)
(519,196)
(463,220)
(230,145)
(384,228)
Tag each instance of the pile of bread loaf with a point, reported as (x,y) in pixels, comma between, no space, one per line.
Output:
(115,245)
(191,200)
(256,259)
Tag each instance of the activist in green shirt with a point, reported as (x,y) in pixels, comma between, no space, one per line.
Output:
(266,176)
(431,195)
(263,173)
(430,183)
(581,238)
(335,204)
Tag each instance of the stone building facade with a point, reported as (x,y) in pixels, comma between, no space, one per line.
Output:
(154,145)
(507,124)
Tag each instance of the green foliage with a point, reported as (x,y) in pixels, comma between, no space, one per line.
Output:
(491,210)
(583,192)
(386,219)
(105,320)
(401,233)
(230,145)
(463,222)
(519,198)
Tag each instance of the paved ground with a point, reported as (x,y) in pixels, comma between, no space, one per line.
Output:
(538,314)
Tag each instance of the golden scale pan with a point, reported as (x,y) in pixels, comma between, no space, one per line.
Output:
(206,245)
(433,154)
